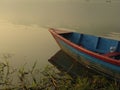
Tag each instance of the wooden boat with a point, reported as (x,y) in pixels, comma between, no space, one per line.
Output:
(98,53)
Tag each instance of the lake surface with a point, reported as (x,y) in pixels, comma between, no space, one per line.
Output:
(24,40)
(26,44)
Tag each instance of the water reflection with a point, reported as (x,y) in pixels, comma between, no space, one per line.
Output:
(63,62)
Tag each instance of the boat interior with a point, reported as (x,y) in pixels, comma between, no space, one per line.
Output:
(104,46)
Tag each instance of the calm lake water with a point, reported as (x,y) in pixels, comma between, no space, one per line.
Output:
(25,45)
(24,40)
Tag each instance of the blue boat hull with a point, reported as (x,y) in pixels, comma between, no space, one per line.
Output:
(102,67)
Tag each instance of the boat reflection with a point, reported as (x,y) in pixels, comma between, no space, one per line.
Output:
(65,63)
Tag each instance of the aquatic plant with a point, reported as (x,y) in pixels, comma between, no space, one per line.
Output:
(51,79)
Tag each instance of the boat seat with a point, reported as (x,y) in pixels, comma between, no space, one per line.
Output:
(112,54)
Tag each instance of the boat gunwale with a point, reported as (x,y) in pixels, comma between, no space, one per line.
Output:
(79,48)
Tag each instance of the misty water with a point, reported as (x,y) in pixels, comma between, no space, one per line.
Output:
(28,44)
(25,38)
(25,45)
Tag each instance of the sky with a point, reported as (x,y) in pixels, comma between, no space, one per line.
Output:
(84,13)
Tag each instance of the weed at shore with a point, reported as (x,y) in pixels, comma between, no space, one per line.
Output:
(50,79)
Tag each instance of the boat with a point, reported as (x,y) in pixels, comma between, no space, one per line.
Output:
(97,53)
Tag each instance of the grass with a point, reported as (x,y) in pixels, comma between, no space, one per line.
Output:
(50,79)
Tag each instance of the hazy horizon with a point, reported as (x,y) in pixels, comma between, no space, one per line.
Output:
(84,13)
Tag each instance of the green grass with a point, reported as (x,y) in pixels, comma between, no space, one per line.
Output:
(51,79)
